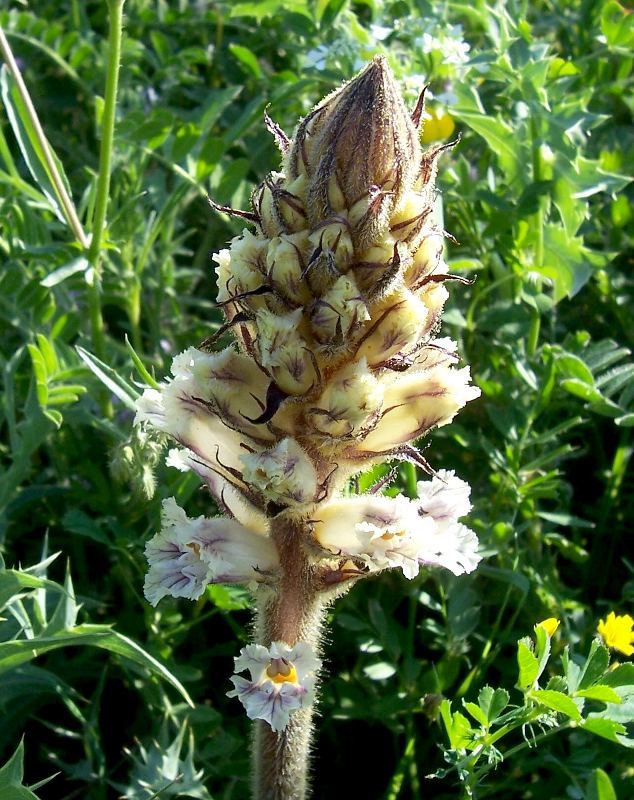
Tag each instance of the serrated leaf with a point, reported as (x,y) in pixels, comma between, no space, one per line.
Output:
(623,675)
(596,664)
(493,702)
(477,713)
(557,701)
(601,692)
(605,728)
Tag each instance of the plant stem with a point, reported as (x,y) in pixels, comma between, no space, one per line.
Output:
(103,179)
(295,612)
(65,200)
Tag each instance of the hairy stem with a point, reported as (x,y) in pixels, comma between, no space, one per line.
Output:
(295,612)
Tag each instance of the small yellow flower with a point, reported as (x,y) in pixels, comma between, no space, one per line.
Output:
(617,632)
(550,625)
(439,125)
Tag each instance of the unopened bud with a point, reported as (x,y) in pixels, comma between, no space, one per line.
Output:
(241,268)
(426,259)
(284,474)
(351,402)
(363,135)
(286,265)
(338,312)
(400,318)
(283,350)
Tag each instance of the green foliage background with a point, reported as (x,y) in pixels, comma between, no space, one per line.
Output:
(537,195)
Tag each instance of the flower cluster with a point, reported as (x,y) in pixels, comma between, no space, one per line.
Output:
(333,299)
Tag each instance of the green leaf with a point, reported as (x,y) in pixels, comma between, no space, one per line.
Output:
(13,581)
(542,649)
(623,675)
(13,770)
(528,665)
(30,147)
(557,701)
(599,787)
(79,264)
(606,729)
(65,614)
(601,692)
(247,59)
(493,702)
(567,262)
(229,598)
(11,776)
(571,366)
(477,713)
(110,378)
(140,366)
(17,652)
(497,133)
(596,664)
(459,731)
(617,25)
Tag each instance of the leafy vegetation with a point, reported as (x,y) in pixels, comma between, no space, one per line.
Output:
(538,195)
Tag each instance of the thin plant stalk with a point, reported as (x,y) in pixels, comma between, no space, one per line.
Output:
(103,179)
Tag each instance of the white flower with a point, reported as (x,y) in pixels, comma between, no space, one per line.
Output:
(450,545)
(445,497)
(188,554)
(176,567)
(388,532)
(282,680)
(380,32)
(449,41)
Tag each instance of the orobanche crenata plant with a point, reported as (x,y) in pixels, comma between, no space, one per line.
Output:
(334,298)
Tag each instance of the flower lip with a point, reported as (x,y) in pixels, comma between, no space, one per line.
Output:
(282,681)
